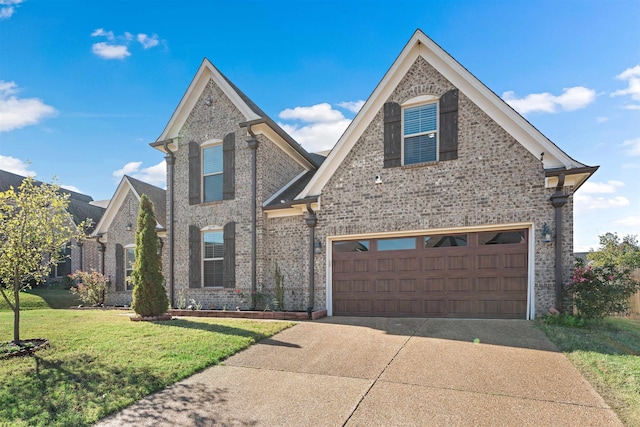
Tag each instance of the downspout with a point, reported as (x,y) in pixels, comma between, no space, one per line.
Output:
(558,200)
(311,220)
(79,244)
(252,142)
(170,158)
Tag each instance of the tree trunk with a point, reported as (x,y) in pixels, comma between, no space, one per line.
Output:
(16,312)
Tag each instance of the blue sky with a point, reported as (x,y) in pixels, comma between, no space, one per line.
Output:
(86,85)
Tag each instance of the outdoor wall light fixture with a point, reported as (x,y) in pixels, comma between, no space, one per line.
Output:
(129,226)
(546,233)
(378,179)
(317,248)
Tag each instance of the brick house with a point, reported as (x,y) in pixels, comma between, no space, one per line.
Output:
(77,255)
(439,200)
(115,235)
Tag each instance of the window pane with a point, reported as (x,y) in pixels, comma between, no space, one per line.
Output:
(213,244)
(129,258)
(212,160)
(445,241)
(213,188)
(213,273)
(420,119)
(420,149)
(397,244)
(501,238)
(352,246)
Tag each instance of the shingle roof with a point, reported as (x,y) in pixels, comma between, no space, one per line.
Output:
(79,207)
(157,195)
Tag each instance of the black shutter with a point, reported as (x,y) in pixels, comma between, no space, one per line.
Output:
(119,267)
(194,173)
(195,260)
(229,166)
(229,262)
(449,125)
(392,135)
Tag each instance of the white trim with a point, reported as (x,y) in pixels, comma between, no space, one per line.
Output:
(422,99)
(209,229)
(280,191)
(422,46)
(410,233)
(437,132)
(210,142)
(205,73)
(294,210)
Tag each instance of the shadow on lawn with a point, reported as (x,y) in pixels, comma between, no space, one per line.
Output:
(225,330)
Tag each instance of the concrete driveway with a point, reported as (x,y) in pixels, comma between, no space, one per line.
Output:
(384,372)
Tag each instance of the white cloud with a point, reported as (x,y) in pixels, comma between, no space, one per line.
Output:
(587,202)
(573,98)
(148,42)
(601,119)
(319,113)
(110,51)
(601,187)
(118,48)
(16,113)
(631,107)
(317,136)
(72,188)
(630,221)
(8,8)
(632,76)
(100,32)
(353,106)
(154,175)
(17,166)
(632,146)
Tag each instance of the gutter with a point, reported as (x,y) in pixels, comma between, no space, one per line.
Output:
(102,249)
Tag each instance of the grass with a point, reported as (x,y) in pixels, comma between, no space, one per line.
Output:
(100,362)
(41,297)
(607,353)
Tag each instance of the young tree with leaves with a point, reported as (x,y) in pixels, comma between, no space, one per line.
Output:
(34,225)
(149,293)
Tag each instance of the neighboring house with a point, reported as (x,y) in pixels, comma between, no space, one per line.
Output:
(439,200)
(77,255)
(115,234)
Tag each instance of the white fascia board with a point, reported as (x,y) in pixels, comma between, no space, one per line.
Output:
(420,45)
(205,72)
(114,205)
(574,181)
(294,210)
(267,131)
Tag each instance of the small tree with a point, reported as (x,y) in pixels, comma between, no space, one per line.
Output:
(623,253)
(34,225)
(149,293)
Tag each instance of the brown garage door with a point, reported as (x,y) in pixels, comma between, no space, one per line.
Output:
(475,275)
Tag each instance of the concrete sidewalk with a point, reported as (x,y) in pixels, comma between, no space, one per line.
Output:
(384,372)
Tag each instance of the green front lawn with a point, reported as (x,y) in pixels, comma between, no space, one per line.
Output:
(40,297)
(607,353)
(100,362)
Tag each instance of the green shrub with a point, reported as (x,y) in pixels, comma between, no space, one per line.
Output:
(564,319)
(601,291)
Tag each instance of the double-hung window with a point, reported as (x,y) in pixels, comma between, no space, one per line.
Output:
(212,173)
(420,134)
(212,260)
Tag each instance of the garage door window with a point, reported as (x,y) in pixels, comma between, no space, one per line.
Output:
(351,246)
(501,238)
(397,244)
(446,241)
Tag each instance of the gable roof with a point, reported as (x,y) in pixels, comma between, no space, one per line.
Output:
(518,127)
(255,118)
(138,188)
(80,207)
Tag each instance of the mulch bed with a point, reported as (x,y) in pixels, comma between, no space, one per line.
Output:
(36,344)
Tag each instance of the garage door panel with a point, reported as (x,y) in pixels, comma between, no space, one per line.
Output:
(469,275)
